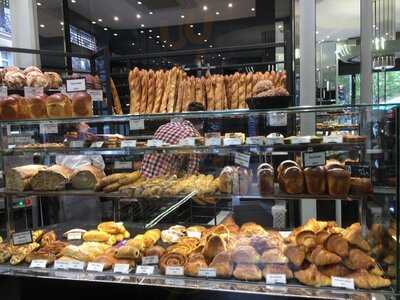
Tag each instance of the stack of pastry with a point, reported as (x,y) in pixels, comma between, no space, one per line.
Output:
(318,250)
(13,77)
(118,181)
(113,141)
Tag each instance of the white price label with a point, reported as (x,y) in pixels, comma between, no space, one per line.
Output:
(97,95)
(46,128)
(95,267)
(232,141)
(76,85)
(11,146)
(136,124)
(128,144)
(61,265)
(213,141)
(338,139)
(21,238)
(175,281)
(300,140)
(174,271)
(242,159)
(276,279)
(194,234)
(30,91)
(121,268)
(314,159)
(277,119)
(122,165)
(76,265)
(255,140)
(38,263)
(147,270)
(150,260)
(3,91)
(207,272)
(77,144)
(98,144)
(20,140)
(341,282)
(189,141)
(154,143)
(74,236)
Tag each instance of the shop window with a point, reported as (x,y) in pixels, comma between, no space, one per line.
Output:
(82,38)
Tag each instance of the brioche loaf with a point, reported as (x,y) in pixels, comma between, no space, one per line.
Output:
(37,107)
(338,182)
(315,180)
(58,106)
(82,105)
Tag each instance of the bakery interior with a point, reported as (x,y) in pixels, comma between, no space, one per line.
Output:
(235,149)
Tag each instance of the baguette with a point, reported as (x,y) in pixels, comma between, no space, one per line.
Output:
(117,109)
(130,178)
(172,90)
(151,92)
(228,88)
(199,90)
(145,91)
(249,85)
(210,94)
(219,93)
(224,97)
(242,91)
(192,95)
(179,102)
(109,180)
(164,101)
(112,187)
(235,91)
(255,80)
(159,91)
(135,90)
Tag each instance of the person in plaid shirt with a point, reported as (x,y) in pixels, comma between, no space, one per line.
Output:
(155,165)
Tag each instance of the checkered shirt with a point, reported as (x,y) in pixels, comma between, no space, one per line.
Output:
(156,164)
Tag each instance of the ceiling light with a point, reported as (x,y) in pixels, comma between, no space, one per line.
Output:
(230,5)
(163,46)
(202,56)
(205,41)
(116,18)
(191,26)
(115,34)
(62,23)
(105,28)
(157,42)
(141,25)
(158,36)
(182,16)
(223,58)
(133,44)
(219,55)
(253,9)
(205,7)
(170,45)
(211,46)
(199,33)
(93,22)
(42,25)
(217,13)
(280,26)
(141,31)
(165,42)
(100,20)
(73,1)
(138,16)
(140,2)
(150,37)
(328,37)
(150,30)
(150,12)
(338,40)
(38,3)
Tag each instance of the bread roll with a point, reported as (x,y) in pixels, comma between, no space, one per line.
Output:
(54,178)
(315,180)
(86,177)
(82,105)
(172,90)
(338,182)
(18,179)
(37,79)
(54,79)
(30,69)
(37,107)
(151,92)
(58,106)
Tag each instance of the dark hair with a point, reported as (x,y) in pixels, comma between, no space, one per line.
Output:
(195,106)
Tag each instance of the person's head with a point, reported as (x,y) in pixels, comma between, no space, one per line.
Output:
(196,106)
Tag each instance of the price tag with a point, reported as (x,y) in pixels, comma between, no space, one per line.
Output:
(48,128)
(174,271)
(38,263)
(121,268)
(147,270)
(207,272)
(359,170)
(3,91)
(76,85)
(213,141)
(74,236)
(97,144)
(255,140)
(232,141)
(122,165)
(175,281)
(97,95)
(77,144)
(242,159)
(20,140)
(150,260)
(314,159)
(154,143)
(76,265)
(194,234)
(277,119)
(276,279)
(11,146)
(128,144)
(136,124)
(61,265)
(21,238)
(189,141)
(95,267)
(338,139)
(340,282)
(30,91)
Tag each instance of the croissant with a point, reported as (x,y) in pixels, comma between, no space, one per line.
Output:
(274,256)
(365,280)
(223,265)
(172,259)
(245,255)
(263,243)
(247,272)
(296,254)
(278,269)
(376,271)
(153,234)
(307,239)
(352,234)
(312,277)
(155,251)
(128,252)
(322,237)
(338,270)
(357,259)
(321,257)
(194,263)
(251,228)
(337,244)
(214,245)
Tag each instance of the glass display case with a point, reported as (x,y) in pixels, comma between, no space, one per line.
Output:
(248,201)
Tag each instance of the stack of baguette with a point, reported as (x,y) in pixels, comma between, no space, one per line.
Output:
(172,90)
(117,181)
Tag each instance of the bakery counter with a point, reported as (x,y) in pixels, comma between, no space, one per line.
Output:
(205,284)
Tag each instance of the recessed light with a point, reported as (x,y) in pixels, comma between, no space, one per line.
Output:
(165,42)
(150,37)
(205,7)
(93,22)
(157,42)
(338,40)
(217,13)
(105,28)
(158,36)
(115,34)
(150,30)
(61,23)
(73,1)
(230,5)
(170,45)
(219,55)
(163,46)
(199,33)
(141,31)
(150,12)
(116,18)
(182,16)
(141,25)
(328,37)
(38,3)
(202,56)
(223,58)
(280,26)
(42,25)
(191,26)
(211,46)
(140,2)
(138,16)
(205,41)
(100,20)
(253,9)
(133,44)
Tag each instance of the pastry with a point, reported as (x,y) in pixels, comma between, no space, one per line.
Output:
(357,259)
(15,79)
(337,244)
(352,234)
(248,272)
(315,180)
(223,264)
(265,242)
(154,251)
(37,79)
(194,263)
(307,239)
(111,227)
(170,236)
(54,80)
(152,234)
(30,69)
(277,269)
(107,260)
(214,245)
(337,270)
(245,255)
(274,256)
(172,260)
(321,257)
(365,280)
(312,277)
(98,236)
(48,238)
(251,228)
(127,252)
(86,177)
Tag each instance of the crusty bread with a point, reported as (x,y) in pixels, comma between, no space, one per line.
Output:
(151,92)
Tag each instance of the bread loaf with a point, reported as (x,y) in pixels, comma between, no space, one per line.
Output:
(86,177)
(249,85)
(242,91)
(10,108)
(315,180)
(235,91)
(135,80)
(228,89)
(54,178)
(219,93)
(82,105)
(210,94)
(181,90)
(338,182)
(151,92)
(18,179)
(164,101)
(145,92)
(265,175)
(291,180)
(116,101)
(172,90)
(54,79)
(58,106)
(37,107)
(160,85)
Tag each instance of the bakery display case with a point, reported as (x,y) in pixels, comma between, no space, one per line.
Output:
(209,200)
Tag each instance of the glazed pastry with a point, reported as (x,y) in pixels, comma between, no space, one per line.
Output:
(315,180)
(127,252)
(48,238)
(277,269)
(312,277)
(321,257)
(352,234)
(306,239)
(172,260)
(337,270)
(357,259)
(37,235)
(194,263)
(214,245)
(296,254)
(223,264)
(365,280)
(251,228)
(247,272)
(155,251)
(185,250)
(337,244)
(245,255)
(153,234)
(274,256)
(99,236)
(169,236)
(111,227)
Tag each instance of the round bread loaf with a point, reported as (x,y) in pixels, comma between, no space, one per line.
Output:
(55,81)
(82,104)
(15,79)
(37,107)
(31,69)
(58,106)
(37,79)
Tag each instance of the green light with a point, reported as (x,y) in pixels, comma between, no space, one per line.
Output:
(20,203)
